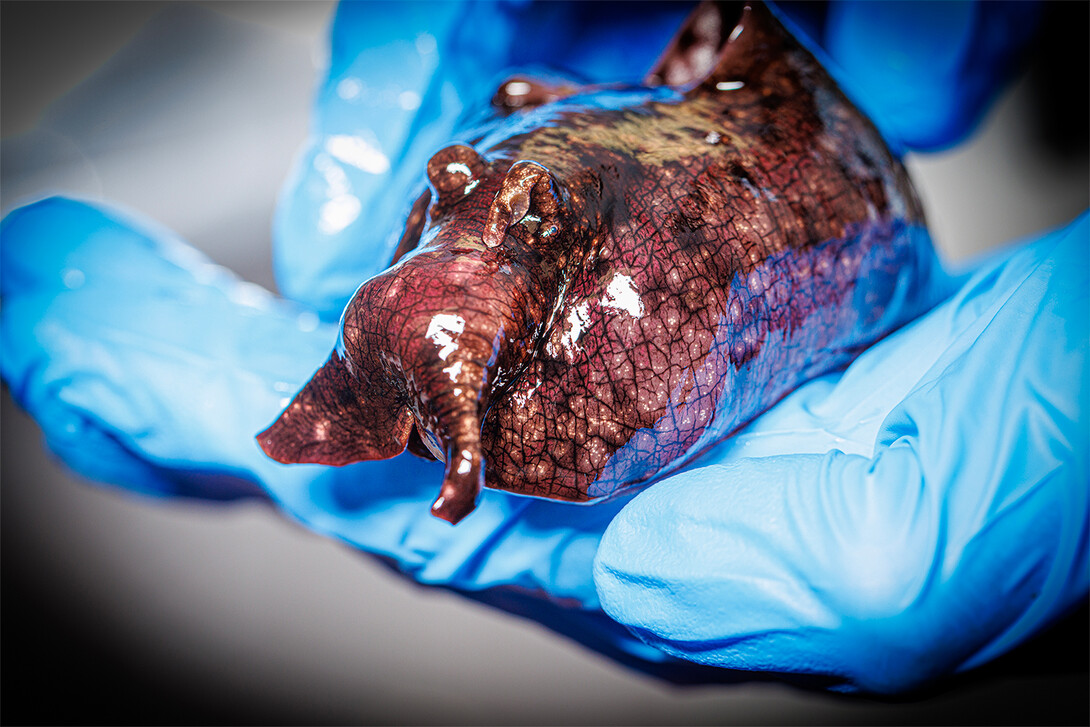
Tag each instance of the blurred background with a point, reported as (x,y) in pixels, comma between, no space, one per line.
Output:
(126,610)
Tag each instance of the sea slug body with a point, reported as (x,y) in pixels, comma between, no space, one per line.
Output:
(613,280)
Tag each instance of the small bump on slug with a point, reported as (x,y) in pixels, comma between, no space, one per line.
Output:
(521,93)
(454,171)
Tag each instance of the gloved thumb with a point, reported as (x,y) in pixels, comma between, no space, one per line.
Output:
(962,535)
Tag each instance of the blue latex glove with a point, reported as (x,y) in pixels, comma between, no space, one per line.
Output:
(924,72)
(156,374)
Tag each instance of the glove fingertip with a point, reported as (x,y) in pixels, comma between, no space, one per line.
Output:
(40,243)
(643,553)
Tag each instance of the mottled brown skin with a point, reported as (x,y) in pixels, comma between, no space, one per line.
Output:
(617,282)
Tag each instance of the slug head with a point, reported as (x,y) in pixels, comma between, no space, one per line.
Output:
(426,343)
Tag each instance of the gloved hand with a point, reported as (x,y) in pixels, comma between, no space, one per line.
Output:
(156,374)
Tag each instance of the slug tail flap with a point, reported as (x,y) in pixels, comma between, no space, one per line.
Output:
(721,46)
(336,420)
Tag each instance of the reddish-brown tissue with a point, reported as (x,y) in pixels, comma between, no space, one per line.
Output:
(617,279)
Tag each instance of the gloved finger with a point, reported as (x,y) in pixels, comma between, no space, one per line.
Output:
(405,79)
(119,336)
(135,353)
(149,367)
(145,363)
(964,533)
(926,73)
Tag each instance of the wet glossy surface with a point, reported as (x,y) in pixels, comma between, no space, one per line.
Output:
(608,284)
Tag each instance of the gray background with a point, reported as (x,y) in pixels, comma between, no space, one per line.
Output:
(124,609)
